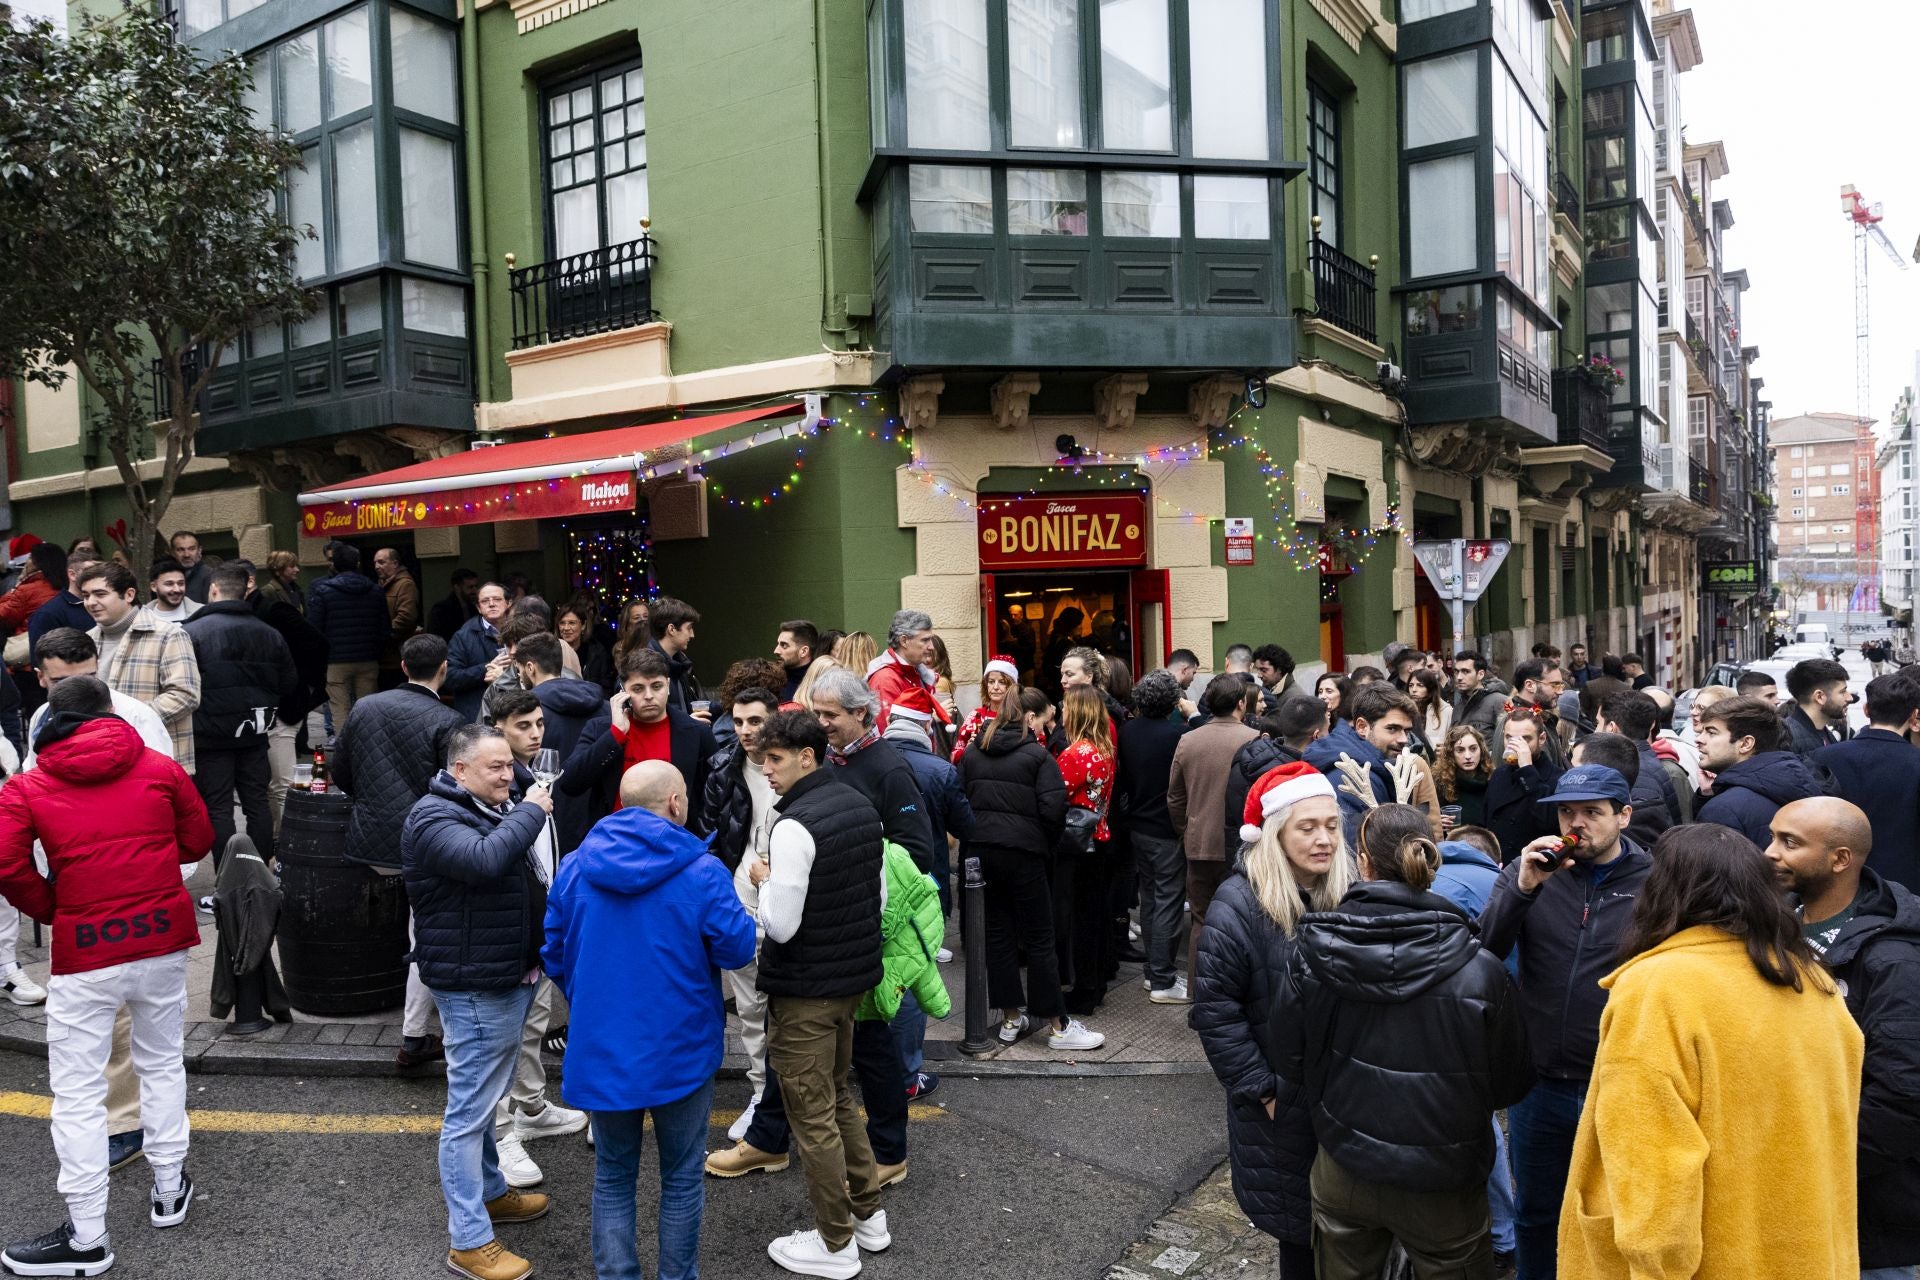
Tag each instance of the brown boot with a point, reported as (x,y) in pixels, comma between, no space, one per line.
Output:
(891,1173)
(519,1206)
(745,1158)
(488,1262)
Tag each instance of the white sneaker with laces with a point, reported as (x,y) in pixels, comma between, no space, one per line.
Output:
(738,1129)
(551,1121)
(1010,1032)
(1175,994)
(1075,1037)
(944,955)
(516,1166)
(804,1253)
(871,1234)
(20,988)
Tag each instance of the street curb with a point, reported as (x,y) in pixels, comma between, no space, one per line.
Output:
(236,1057)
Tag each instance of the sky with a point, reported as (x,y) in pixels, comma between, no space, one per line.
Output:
(1807,98)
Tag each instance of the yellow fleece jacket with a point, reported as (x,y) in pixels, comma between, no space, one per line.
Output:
(1719,1135)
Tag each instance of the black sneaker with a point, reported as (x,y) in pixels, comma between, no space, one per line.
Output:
(416,1052)
(124,1148)
(922,1084)
(555,1041)
(170,1210)
(55,1254)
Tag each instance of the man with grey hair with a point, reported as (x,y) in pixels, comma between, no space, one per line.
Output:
(903,676)
(846,708)
(479,892)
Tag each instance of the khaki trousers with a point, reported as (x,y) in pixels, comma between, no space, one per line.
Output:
(810,1047)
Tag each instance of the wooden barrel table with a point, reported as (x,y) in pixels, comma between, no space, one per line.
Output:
(343,926)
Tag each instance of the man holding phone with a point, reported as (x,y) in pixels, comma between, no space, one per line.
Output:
(642,725)
(1565,908)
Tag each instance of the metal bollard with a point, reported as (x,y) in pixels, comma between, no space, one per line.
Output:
(973,907)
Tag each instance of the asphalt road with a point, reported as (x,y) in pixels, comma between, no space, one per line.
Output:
(337,1178)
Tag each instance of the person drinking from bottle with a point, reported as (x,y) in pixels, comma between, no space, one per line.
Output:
(1563,905)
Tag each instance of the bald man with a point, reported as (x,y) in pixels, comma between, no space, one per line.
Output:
(641,920)
(1866,930)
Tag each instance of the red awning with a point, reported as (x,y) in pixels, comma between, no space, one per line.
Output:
(528,480)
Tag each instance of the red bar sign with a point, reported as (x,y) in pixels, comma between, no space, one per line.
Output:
(475,504)
(1063,531)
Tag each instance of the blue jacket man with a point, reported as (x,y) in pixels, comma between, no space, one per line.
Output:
(472,648)
(1466,877)
(1376,734)
(1747,795)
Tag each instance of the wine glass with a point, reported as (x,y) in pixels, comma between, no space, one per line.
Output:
(546,767)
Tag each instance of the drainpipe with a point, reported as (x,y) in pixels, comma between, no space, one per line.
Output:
(476,206)
(831,321)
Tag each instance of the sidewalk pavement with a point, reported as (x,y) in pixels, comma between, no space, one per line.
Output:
(1143,1038)
(1203,1236)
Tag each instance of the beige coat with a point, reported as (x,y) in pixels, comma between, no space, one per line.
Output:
(1197,786)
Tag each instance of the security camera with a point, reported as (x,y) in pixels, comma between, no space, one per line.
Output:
(1391,378)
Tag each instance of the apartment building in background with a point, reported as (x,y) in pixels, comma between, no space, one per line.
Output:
(1819,462)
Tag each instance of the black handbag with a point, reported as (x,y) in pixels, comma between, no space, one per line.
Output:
(1079,832)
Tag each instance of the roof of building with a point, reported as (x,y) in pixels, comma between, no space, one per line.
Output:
(1812,428)
(1681,35)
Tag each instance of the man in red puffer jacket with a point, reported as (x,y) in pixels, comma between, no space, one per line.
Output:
(117,821)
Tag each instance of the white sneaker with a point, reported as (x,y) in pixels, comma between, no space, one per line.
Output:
(871,1234)
(944,955)
(516,1166)
(1175,994)
(737,1131)
(551,1121)
(1076,1037)
(805,1254)
(20,988)
(1010,1032)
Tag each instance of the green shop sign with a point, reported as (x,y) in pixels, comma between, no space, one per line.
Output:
(1735,577)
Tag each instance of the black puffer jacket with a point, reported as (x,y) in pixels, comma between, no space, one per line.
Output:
(573,710)
(350,610)
(246,676)
(1406,1037)
(1240,974)
(727,807)
(1019,798)
(1249,762)
(479,910)
(385,756)
(308,647)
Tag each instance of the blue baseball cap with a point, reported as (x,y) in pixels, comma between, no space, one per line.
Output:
(1590,782)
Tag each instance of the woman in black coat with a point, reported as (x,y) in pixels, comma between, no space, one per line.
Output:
(1406,1037)
(1296,862)
(1019,803)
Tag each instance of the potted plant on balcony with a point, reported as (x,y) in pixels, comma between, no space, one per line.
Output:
(1602,372)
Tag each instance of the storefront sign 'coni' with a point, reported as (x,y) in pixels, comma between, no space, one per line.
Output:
(476,504)
(1066,530)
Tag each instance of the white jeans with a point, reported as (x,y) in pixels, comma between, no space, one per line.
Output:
(748,1000)
(280,744)
(80,1014)
(9,935)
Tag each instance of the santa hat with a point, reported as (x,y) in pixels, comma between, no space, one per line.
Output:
(18,548)
(1280,788)
(1004,665)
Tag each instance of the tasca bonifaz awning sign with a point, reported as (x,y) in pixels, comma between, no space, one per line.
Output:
(474,504)
(1063,531)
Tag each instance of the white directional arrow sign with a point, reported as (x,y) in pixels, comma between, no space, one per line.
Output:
(1460,570)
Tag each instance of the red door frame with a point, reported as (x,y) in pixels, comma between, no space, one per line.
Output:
(1151,586)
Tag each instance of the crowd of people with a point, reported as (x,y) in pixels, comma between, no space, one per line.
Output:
(1529,974)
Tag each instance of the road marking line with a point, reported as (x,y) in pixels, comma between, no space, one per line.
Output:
(35,1106)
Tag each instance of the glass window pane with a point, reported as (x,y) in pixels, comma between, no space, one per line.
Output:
(360,307)
(199,15)
(429,202)
(259,97)
(433,308)
(635,85)
(356,227)
(576,222)
(947,74)
(349,65)
(424,78)
(237,7)
(1443,98)
(317,326)
(1043,73)
(1136,82)
(1140,204)
(626,205)
(300,82)
(1440,204)
(1229,208)
(1228,38)
(266,340)
(877,80)
(951,199)
(1046,202)
(306,208)
(1415,10)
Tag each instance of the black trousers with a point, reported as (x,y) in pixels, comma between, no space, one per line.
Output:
(219,773)
(882,1074)
(1083,892)
(1019,917)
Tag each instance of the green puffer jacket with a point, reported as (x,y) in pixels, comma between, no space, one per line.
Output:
(911,929)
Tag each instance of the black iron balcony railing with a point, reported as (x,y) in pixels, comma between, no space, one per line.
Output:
(596,292)
(1566,195)
(1582,403)
(1705,488)
(1695,214)
(160,391)
(1344,291)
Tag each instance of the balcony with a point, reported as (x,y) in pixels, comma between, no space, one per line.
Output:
(1582,406)
(1345,292)
(1566,196)
(588,293)
(160,393)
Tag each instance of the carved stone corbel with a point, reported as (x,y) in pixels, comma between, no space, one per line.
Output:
(1458,447)
(1210,400)
(371,452)
(1114,398)
(920,401)
(1012,400)
(425,443)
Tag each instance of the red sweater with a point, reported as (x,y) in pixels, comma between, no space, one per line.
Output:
(1089,779)
(643,742)
(118,821)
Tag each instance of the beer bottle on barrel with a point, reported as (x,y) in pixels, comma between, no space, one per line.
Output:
(319,783)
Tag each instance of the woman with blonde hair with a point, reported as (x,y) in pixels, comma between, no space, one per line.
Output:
(856,651)
(1296,861)
(1083,875)
(803,692)
(281,581)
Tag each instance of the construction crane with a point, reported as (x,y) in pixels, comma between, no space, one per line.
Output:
(1866,219)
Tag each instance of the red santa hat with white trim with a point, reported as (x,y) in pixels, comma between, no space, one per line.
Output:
(1001,663)
(1279,789)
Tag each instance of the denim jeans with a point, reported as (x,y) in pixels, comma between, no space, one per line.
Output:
(910,1033)
(680,1129)
(1500,1192)
(482,1042)
(1542,1127)
(1891,1273)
